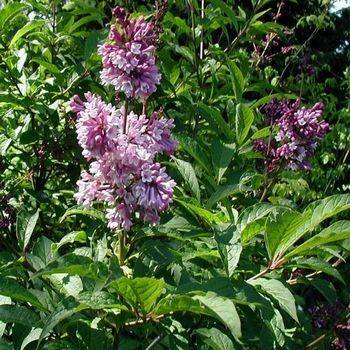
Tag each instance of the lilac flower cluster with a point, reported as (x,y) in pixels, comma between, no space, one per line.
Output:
(299,130)
(121,145)
(129,56)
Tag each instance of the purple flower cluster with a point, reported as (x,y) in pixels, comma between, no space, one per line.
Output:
(299,130)
(121,145)
(129,56)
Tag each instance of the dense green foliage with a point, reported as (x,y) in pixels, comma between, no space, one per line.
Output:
(243,254)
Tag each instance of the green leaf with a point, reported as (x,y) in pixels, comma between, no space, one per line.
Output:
(71,264)
(18,314)
(4,144)
(251,214)
(223,192)
(31,337)
(140,292)
(65,309)
(277,227)
(317,265)
(10,11)
(262,133)
(84,20)
(326,288)
(222,155)
(288,228)
(77,236)
(280,293)
(187,172)
(205,214)
(209,304)
(26,29)
(91,44)
(222,309)
(227,10)
(85,212)
(216,339)
(244,121)
(237,78)
(10,288)
(99,300)
(266,99)
(47,65)
(338,231)
(215,118)
(25,226)
(229,246)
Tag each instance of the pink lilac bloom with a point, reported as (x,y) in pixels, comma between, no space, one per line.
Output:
(123,172)
(299,131)
(128,57)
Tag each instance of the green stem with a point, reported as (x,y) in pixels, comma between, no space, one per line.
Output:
(122,247)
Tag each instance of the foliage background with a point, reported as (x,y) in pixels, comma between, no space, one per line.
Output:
(61,285)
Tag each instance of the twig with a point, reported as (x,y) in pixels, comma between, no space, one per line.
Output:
(155,342)
(316,341)
(262,273)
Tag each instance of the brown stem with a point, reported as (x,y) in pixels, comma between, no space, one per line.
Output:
(122,247)
(316,341)
(260,274)
(144,107)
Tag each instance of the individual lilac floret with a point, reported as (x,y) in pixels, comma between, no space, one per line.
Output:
(128,58)
(299,131)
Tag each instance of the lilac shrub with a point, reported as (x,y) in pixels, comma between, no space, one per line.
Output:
(122,145)
(299,131)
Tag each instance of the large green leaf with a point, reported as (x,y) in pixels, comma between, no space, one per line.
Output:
(237,79)
(71,264)
(187,172)
(244,121)
(280,293)
(336,232)
(18,314)
(215,118)
(216,339)
(83,211)
(11,288)
(24,30)
(317,265)
(25,226)
(205,214)
(209,304)
(10,11)
(223,310)
(65,309)
(140,292)
(229,247)
(99,300)
(225,191)
(227,10)
(222,155)
(286,229)
(251,215)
